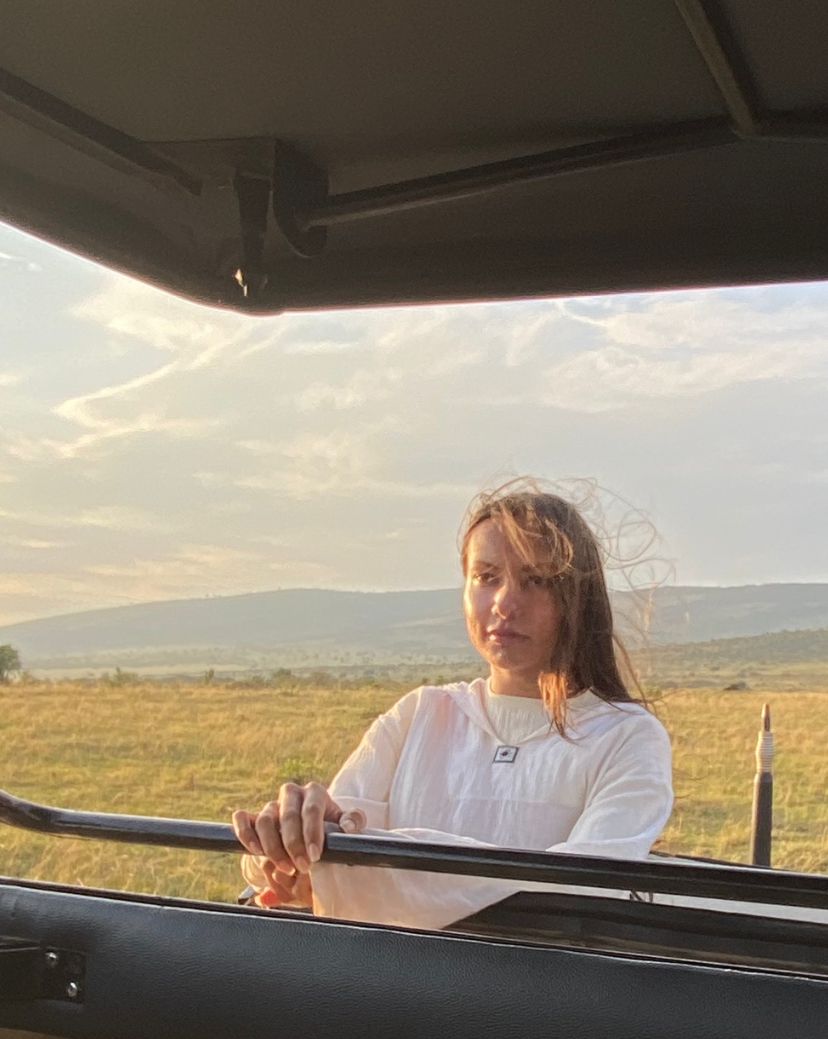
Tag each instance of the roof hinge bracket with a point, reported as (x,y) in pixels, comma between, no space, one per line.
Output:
(253,195)
(299,185)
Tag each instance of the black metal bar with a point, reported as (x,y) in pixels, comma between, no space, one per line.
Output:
(718,49)
(458,184)
(81,128)
(129,829)
(760,843)
(740,883)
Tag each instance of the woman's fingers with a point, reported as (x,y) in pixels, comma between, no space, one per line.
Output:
(353,821)
(268,899)
(290,832)
(291,807)
(259,833)
(283,890)
(303,812)
(244,826)
(302,890)
(280,888)
(314,810)
(268,831)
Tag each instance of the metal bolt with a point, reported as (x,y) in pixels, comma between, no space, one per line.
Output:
(52,959)
(73,990)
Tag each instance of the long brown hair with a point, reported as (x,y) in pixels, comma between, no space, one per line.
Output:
(548,533)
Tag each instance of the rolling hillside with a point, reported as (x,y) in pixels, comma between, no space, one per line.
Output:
(301,626)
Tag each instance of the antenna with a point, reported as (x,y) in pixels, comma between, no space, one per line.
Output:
(762,827)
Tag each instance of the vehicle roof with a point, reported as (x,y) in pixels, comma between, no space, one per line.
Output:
(271,156)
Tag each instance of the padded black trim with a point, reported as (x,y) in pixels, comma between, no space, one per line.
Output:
(191,972)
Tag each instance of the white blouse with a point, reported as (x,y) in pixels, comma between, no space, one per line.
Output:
(514,719)
(436,768)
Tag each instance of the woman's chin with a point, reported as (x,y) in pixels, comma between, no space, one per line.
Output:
(506,658)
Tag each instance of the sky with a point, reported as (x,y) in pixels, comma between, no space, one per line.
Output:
(154,449)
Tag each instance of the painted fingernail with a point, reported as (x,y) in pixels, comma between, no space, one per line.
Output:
(313,852)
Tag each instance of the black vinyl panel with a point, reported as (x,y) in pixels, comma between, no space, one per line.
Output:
(784,45)
(361,75)
(194,973)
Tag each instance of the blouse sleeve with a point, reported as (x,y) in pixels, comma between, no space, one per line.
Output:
(630,796)
(629,803)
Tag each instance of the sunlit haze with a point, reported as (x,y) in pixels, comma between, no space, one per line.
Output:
(152,449)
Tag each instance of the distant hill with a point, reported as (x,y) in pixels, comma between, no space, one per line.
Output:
(290,626)
(303,626)
(780,660)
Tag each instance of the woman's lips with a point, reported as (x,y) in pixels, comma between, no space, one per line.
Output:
(505,636)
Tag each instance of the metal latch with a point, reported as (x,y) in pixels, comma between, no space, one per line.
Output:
(29,971)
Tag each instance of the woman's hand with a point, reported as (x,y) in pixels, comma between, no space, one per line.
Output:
(283,890)
(290,831)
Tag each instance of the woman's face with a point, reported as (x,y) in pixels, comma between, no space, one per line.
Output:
(512,617)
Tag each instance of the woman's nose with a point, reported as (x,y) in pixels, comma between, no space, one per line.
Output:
(506,598)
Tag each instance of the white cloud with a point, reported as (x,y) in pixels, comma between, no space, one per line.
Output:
(101,517)
(681,347)
(186,451)
(614,377)
(130,310)
(340,398)
(123,518)
(34,544)
(202,570)
(709,320)
(8,260)
(28,449)
(80,410)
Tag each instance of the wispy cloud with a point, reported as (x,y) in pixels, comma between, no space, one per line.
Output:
(104,517)
(33,544)
(8,260)
(183,451)
(683,346)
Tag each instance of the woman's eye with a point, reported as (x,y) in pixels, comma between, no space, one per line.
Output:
(484,578)
(535,581)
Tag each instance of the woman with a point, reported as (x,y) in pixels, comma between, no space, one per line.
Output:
(549,752)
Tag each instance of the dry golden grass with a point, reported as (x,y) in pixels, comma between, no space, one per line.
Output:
(199,751)
(714,736)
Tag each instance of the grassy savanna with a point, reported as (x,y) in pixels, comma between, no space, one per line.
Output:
(198,751)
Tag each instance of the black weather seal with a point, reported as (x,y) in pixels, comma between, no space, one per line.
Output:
(704,935)
(739,883)
(84,132)
(654,143)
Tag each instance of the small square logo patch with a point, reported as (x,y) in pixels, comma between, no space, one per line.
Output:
(505,754)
